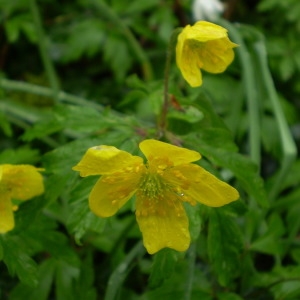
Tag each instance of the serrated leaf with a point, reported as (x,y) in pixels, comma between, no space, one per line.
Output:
(117,54)
(47,126)
(18,261)
(88,120)
(85,38)
(84,288)
(224,246)
(27,213)
(65,274)
(188,114)
(22,155)
(41,291)
(175,286)
(82,219)
(163,266)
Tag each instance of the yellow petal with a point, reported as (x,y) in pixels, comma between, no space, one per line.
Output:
(7,222)
(111,192)
(187,62)
(201,186)
(23,181)
(154,149)
(163,222)
(215,56)
(101,160)
(203,31)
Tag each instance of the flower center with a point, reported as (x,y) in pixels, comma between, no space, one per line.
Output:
(152,185)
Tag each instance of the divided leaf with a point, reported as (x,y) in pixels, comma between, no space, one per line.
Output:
(224,245)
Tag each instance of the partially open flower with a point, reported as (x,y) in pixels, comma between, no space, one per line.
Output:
(161,185)
(203,46)
(19,182)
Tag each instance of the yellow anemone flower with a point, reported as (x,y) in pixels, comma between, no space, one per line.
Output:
(20,182)
(161,185)
(203,46)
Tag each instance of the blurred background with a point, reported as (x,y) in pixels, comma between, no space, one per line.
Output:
(80,73)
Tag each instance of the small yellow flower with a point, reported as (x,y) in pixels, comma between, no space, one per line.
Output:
(161,185)
(20,182)
(203,46)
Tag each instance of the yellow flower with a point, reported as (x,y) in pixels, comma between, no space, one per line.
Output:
(161,185)
(203,46)
(20,182)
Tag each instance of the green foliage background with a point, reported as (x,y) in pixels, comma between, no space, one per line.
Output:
(82,73)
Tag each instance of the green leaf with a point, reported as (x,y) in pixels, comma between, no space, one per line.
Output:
(83,288)
(174,287)
(81,219)
(18,23)
(287,68)
(18,261)
(188,114)
(27,213)
(85,38)
(65,274)
(229,296)
(163,266)
(140,6)
(266,244)
(195,221)
(42,290)
(116,53)
(5,125)
(47,126)
(22,155)
(1,251)
(224,246)
(88,120)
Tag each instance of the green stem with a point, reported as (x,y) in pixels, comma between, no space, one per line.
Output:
(118,276)
(164,111)
(49,68)
(15,111)
(7,84)
(17,116)
(288,145)
(251,92)
(109,14)
(191,270)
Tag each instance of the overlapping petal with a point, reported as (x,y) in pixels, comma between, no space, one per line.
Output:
(111,192)
(102,160)
(7,222)
(204,31)
(163,222)
(215,56)
(22,181)
(153,149)
(202,186)
(189,65)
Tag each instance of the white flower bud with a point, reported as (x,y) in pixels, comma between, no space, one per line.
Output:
(207,9)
